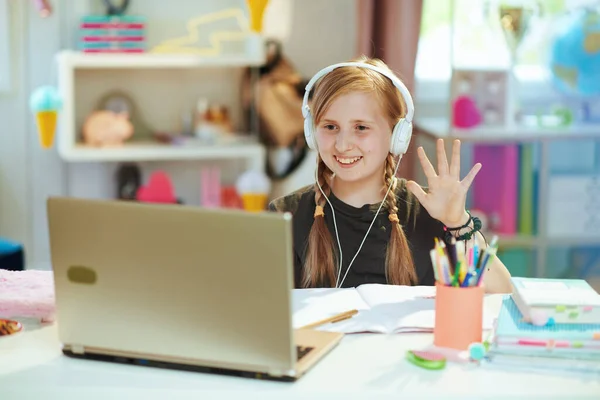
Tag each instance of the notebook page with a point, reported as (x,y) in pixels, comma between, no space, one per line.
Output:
(407,308)
(401,308)
(375,294)
(312,305)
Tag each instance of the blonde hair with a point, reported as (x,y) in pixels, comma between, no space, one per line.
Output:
(320,263)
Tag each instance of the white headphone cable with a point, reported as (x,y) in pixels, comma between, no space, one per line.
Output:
(338,283)
(334,223)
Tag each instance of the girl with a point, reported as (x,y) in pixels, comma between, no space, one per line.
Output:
(383,227)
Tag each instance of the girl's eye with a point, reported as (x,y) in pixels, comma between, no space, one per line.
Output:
(329,127)
(362,128)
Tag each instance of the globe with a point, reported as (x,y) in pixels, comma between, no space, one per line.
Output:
(574,54)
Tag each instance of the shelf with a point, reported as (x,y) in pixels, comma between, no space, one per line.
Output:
(514,240)
(70,150)
(440,128)
(73,59)
(573,241)
(152,151)
(535,241)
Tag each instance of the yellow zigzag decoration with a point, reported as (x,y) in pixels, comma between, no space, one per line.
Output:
(185,44)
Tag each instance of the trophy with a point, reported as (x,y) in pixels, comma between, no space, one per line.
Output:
(515,19)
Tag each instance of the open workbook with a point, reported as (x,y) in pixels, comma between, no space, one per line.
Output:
(381,308)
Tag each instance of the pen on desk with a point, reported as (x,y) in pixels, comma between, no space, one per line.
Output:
(335,318)
(435,264)
(488,256)
(465,282)
(446,270)
(475,259)
(470,251)
(452,251)
(444,262)
(456,275)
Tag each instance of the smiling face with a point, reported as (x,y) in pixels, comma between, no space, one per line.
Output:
(353,137)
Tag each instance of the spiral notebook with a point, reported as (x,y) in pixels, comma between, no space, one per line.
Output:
(571,346)
(512,325)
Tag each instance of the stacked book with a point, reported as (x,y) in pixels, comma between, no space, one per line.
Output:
(112,34)
(548,326)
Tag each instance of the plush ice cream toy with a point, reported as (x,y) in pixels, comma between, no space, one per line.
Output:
(254,188)
(45,102)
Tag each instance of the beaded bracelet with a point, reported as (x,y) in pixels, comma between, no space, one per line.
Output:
(467,235)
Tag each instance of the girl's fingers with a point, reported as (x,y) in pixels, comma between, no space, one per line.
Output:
(471,176)
(426,164)
(441,158)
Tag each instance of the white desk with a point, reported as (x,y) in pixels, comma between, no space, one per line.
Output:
(363,366)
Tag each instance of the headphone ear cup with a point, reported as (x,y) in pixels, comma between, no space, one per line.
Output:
(309,133)
(401,137)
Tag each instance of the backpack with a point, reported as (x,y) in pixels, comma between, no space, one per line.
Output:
(274,97)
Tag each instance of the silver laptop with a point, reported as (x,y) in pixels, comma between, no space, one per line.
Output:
(179,287)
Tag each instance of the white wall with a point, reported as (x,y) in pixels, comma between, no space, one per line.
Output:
(28,174)
(14,166)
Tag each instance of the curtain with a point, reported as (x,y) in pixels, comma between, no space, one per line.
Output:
(389,30)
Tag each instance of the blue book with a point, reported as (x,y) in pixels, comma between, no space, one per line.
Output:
(112,45)
(511,325)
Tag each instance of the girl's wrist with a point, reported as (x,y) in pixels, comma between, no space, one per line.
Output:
(458,223)
(463,230)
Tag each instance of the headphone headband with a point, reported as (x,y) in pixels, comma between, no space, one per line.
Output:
(410,108)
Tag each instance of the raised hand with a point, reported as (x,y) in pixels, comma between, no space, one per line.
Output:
(446,197)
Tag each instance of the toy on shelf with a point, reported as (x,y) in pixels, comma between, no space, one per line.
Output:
(114,9)
(105,128)
(129,179)
(479,97)
(121,102)
(45,102)
(230,198)
(112,34)
(115,119)
(210,192)
(465,113)
(158,190)
(43,7)
(254,188)
(211,121)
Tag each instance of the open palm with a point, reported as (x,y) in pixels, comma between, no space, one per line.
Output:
(446,197)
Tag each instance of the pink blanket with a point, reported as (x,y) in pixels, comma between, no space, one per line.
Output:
(27,294)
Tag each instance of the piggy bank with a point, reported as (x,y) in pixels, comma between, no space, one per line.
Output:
(107,128)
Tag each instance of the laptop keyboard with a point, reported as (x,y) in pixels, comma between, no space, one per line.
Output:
(301,351)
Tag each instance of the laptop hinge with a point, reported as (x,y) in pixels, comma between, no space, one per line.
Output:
(280,373)
(77,349)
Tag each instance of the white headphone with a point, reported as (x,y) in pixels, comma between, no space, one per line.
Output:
(402,131)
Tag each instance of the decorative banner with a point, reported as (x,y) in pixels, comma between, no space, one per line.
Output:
(188,44)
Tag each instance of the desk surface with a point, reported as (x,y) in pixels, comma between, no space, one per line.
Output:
(362,366)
